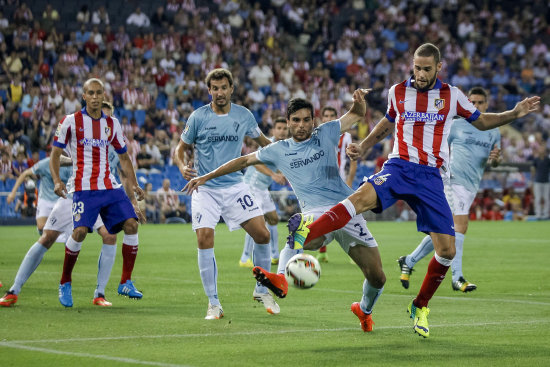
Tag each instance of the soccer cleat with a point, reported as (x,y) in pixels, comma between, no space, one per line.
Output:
(1,284)
(463,285)
(420,319)
(275,282)
(274,261)
(9,299)
(269,303)
(129,290)
(214,312)
(323,257)
(66,294)
(298,230)
(246,264)
(364,319)
(405,272)
(101,301)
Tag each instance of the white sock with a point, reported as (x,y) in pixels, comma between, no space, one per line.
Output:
(29,264)
(104,267)
(274,244)
(209,274)
(261,258)
(72,245)
(370,296)
(456,265)
(425,247)
(349,206)
(443,261)
(247,248)
(130,239)
(286,254)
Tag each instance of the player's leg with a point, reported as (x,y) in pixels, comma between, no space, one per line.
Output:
(29,264)
(406,263)
(246,256)
(272,220)
(104,264)
(458,281)
(43,210)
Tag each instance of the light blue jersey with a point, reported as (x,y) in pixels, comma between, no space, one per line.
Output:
(470,150)
(42,169)
(310,166)
(254,178)
(114,162)
(219,139)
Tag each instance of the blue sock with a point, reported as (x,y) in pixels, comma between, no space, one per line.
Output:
(209,274)
(104,267)
(29,264)
(274,244)
(247,248)
(286,254)
(370,296)
(261,258)
(456,265)
(425,247)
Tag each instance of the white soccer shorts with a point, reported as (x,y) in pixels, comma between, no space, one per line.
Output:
(355,232)
(44,208)
(264,199)
(459,199)
(235,204)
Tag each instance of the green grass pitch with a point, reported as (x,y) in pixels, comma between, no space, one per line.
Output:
(505,322)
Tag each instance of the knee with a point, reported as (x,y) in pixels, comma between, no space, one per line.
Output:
(79,233)
(262,237)
(272,221)
(447,253)
(47,239)
(109,239)
(131,226)
(376,278)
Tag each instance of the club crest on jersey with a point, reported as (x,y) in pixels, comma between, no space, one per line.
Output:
(379,180)
(76,217)
(186,129)
(236,126)
(439,103)
(108,131)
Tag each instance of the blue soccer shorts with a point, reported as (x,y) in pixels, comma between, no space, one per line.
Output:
(419,186)
(114,206)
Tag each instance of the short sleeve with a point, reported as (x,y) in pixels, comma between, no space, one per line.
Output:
(253,130)
(497,139)
(189,133)
(465,108)
(391,112)
(267,154)
(41,167)
(330,131)
(63,132)
(118,142)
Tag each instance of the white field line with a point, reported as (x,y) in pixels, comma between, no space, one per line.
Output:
(87,355)
(258,332)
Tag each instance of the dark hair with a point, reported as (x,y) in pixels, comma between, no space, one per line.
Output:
(296,104)
(108,105)
(329,108)
(219,74)
(279,120)
(427,50)
(479,91)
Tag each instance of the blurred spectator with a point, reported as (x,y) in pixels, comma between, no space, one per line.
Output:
(138,19)
(20,164)
(5,167)
(512,205)
(83,15)
(26,204)
(150,204)
(100,16)
(168,200)
(540,171)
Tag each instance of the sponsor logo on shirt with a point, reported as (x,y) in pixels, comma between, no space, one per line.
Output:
(472,141)
(218,138)
(297,163)
(422,116)
(94,142)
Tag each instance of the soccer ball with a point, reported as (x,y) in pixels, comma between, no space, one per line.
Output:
(302,271)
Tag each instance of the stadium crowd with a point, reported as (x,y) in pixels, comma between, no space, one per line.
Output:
(153,59)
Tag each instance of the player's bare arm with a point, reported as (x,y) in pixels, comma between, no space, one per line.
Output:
(233,165)
(494,157)
(59,186)
(487,121)
(128,188)
(184,162)
(357,110)
(275,176)
(381,130)
(22,177)
(262,140)
(134,191)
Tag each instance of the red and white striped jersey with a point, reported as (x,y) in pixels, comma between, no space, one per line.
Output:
(423,121)
(87,141)
(345,140)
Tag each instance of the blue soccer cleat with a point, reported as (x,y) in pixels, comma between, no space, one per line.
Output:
(129,290)
(66,294)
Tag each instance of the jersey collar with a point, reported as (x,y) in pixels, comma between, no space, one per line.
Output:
(84,112)
(410,82)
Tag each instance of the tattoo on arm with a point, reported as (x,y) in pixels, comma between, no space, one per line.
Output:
(382,134)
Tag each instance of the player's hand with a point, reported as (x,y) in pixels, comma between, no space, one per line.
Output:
(139,193)
(528,105)
(141,217)
(353,151)
(279,178)
(11,197)
(60,190)
(188,172)
(193,185)
(494,157)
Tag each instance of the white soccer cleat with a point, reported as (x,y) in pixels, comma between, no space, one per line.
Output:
(269,303)
(214,312)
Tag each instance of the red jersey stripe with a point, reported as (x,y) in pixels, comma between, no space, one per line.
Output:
(400,90)
(445,94)
(418,127)
(79,134)
(106,180)
(96,161)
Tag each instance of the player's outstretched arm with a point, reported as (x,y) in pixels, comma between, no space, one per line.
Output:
(487,121)
(183,162)
(22,177)
(59,186)
(233,165)
(380,131)
(275,176)
(132,188)
(357,110)
(262,140)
